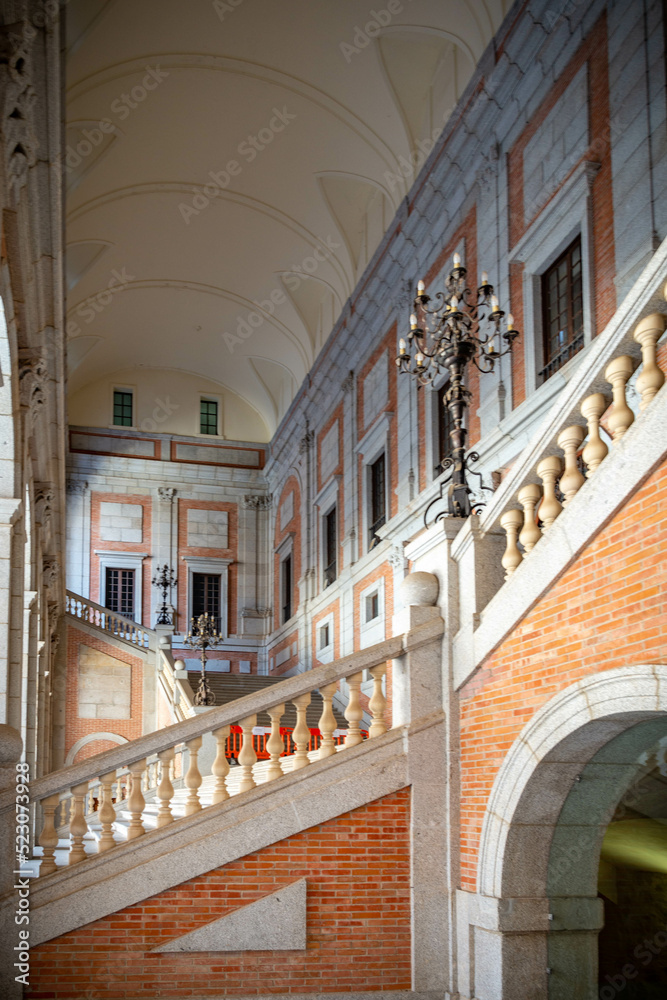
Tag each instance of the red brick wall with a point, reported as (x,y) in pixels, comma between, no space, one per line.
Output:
(75,727)
(145,545)
(607,610)
(357,868)
(593,51)
(196,551)
(279,647)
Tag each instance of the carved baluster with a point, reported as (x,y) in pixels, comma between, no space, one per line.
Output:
(549,469)
(617,374)
(165,790)
(275,744)
(572,480)
(354,712)
(220,766)
(651,380)
(378,702)
(247,757)
(107,813)
(510,522)
(78,828)
(136,800)
(193,779)
(529,497)
(301,734)
(48,838)
(596,450)
(327,723)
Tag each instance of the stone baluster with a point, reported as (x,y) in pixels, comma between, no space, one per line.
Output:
(107,813)
(48,838)
(220,766)
(165,790)
(247,757)
(378,702)
(301,734)
(572,480)
(549,469)
(596,450)
(647,333)
(193,778)
(327,723)
(617,374)
(354,712)
(136,801)
(529,497)
(274,744)
(510,522)
(78,828)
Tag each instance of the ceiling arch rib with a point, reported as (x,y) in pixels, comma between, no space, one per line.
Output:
(183,188)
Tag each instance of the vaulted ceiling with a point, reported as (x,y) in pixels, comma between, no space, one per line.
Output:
(231,167)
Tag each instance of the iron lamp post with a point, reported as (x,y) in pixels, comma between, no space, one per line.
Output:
(446,336)
(164,581)
(203,636)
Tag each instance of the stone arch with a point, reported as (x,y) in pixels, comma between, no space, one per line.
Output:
(90,738)
(549,807)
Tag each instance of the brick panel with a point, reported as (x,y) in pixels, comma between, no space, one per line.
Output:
(607,610)
(357,868)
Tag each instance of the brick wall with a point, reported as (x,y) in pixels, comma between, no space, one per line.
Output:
(97,543)
(76,727)
(207,553)
(357,868)
(293,526)
(607,610)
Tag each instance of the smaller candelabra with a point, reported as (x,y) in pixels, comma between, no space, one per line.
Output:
(164,581)
(203,636)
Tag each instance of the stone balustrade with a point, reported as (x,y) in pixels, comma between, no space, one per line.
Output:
(537,505)
(109,621)
(96,791)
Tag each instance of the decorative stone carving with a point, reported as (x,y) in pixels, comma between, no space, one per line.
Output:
(348,383)
(19,140)
(50,574)
(256,613)
(257,501)
(44,499)
(166,493)
(397,559)
(33,376)
(76,487)
(306,441)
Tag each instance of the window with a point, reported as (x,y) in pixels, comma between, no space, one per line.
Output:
(445,426)
(372,606)
(286,589)
(119,591)
(208,416)
(330,545)
(324,636)
(377,501)
(562,310)
(122,408)
(206,596)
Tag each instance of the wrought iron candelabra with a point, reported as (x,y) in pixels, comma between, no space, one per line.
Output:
(164,581)
(445,337)
(203,636)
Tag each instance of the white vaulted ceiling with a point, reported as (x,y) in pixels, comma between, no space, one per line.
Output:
(334,124)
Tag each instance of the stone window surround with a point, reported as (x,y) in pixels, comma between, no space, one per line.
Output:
(282,551)
(374,630)
(109,559)
(325,654)
(569,214)
(324,501)
(374,442)
(196,564)
(117,387)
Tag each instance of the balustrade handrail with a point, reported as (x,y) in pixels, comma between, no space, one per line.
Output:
(131,626)
(217,717)
(645,297)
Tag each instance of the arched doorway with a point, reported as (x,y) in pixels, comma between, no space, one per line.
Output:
(554,812)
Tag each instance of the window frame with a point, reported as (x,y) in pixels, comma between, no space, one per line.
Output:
(218,422)
(570,346)
(207,576)
(372,630)
(129,613)
(130,391)
(375,523)
(331,516)
(287,558)
(213,567)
